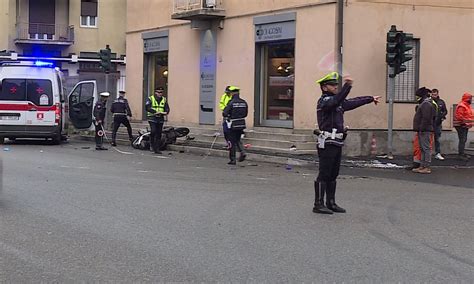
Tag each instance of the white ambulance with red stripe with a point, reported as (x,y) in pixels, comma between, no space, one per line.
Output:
(33,102)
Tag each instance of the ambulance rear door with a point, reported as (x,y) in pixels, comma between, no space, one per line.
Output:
(13,105)
(41,106)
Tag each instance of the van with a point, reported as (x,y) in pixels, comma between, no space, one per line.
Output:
(33,102)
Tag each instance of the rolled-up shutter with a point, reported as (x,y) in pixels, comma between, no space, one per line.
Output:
(89,8)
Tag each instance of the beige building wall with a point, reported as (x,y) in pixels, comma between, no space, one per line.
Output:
(446,53)
(134,73)
(445,30)
(4,24)
(7,24)
(111,26)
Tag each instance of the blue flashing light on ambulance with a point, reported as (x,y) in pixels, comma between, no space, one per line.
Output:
(33,102)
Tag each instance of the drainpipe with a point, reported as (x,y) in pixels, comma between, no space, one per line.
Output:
(340,36)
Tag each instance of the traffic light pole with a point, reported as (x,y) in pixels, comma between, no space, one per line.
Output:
(391,95)
(107,81)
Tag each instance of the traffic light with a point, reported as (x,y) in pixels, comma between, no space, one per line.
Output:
(398,43)
(105,59)
(404,45)
(391,46)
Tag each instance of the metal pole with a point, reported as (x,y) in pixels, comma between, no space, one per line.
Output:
(391,94)
(340,36)
(107,90)
(106,81)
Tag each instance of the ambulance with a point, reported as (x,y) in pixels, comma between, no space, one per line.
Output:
(33,102)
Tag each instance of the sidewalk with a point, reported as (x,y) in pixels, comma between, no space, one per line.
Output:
(307,160)
(451,161)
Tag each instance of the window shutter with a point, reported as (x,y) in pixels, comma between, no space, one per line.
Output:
(89,8)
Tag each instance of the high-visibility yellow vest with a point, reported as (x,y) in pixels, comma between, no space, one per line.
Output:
(225,99)
(158,107)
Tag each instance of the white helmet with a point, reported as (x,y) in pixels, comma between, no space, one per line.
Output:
(104,94)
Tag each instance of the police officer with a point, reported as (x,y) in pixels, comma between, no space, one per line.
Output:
(157,107)
(330,114)
(225,99)
(99,115)
(121,110)
(235,113)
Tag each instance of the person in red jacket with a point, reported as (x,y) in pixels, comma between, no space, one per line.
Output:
(463,120)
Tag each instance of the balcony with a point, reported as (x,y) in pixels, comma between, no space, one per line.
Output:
(198,10)
(50,34)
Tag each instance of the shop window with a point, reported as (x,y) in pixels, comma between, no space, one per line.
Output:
(278,97)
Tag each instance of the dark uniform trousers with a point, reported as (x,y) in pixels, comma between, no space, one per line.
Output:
(234,136)
(118,120)
(156,128)
(99,134)
(226,132)
(329,164)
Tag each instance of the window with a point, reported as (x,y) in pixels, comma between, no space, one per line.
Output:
(406,83)
(89,13)
(39,92)
(13,90)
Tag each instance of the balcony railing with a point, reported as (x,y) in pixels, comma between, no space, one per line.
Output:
(198,9)
(44,33)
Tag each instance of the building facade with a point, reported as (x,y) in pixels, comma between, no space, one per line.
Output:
(276,50)
(68,33)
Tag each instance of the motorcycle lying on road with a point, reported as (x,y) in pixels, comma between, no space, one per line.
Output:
(168,136)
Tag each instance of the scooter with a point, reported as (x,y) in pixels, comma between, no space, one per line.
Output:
(168,136)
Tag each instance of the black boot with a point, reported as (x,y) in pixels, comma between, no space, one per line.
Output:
(331,198)
(232,155)
(114,136)
(319,199)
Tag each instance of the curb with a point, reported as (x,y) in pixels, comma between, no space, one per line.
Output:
(372,163)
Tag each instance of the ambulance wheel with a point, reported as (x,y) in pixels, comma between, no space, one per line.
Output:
(12,139)
(2,140)
(56,140)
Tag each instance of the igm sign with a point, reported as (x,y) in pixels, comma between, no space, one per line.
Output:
(275,31)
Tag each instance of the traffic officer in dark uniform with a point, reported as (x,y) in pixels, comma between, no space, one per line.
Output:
(99,115)
(331,135)
(235,113)
(121,111)
(157,107)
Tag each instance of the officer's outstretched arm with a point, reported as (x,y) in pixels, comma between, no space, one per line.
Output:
(329,102)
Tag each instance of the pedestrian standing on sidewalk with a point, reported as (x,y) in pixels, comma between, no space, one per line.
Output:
(99,116)
(463,120)
(442,111)
(423,125)
(121,111)
(330,114)
(157,107)
(420,95)
(234,115)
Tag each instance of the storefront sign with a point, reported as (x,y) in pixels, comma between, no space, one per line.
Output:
(155,44)
(275,31)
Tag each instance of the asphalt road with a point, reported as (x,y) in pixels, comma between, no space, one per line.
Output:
(69,213)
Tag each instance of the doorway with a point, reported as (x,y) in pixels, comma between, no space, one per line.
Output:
(276,77)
